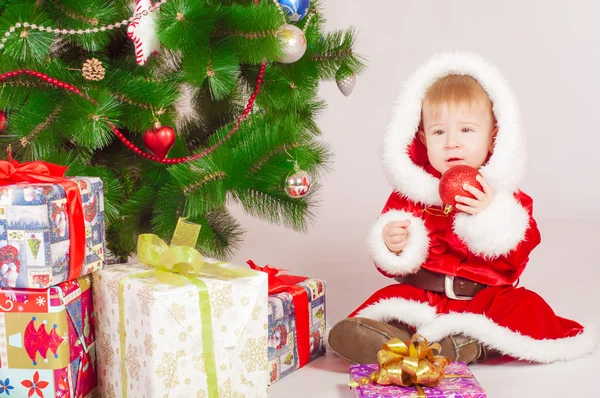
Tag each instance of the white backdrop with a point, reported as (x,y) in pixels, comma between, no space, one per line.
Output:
(549,52)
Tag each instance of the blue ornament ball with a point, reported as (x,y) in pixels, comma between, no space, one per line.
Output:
(295,9)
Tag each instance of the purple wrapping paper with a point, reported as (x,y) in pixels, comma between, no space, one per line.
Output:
(455,387)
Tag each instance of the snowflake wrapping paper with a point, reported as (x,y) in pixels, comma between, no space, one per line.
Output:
(283,336)
(458,382)
(47,341)
(34,233)
(163,343)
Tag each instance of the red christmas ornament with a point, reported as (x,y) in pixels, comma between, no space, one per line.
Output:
(159,140)
(452,181)
(2,121)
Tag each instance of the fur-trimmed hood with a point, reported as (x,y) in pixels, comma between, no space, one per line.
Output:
(405,157)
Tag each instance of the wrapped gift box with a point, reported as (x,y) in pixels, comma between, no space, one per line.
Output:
(34,233)
(283,331)
(47,340)
(458,382)
(151,337)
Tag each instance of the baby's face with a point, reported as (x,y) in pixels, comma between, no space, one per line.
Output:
(458,134)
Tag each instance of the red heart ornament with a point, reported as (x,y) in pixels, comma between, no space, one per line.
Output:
(159,140)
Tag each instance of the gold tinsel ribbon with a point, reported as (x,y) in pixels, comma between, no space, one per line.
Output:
(408,364)
(177,265)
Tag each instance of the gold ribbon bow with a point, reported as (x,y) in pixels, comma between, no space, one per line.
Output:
(407,364)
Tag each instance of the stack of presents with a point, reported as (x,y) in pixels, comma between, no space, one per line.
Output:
(175,324)
(71,326)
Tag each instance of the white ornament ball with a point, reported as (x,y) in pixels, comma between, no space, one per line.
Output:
(294,43)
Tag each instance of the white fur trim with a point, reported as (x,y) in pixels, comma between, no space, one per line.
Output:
(508,342)
(506,166)
(411,312)
(413,255)
(143,32)
(495,231)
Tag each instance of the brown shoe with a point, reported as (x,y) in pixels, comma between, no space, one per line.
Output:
(358,340)
(466,349)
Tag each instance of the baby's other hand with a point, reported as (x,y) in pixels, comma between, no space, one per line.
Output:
(395,235)
(482,199)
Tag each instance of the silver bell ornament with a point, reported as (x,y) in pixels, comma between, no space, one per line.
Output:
(297,183)
(294,43)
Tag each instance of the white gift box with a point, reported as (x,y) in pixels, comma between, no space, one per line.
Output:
(163,338)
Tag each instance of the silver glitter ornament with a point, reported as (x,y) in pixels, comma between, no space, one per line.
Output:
(345,82)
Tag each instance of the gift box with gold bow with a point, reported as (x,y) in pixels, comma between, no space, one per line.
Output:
(51,226)
(412,370)
(297,317)
(180,325)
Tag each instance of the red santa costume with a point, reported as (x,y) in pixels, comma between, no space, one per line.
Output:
(490,248)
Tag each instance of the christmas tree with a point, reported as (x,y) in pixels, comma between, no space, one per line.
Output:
(179,106)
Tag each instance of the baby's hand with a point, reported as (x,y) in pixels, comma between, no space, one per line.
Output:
(395,235)
(482,199)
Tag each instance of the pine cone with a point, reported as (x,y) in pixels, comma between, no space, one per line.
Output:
(93,70)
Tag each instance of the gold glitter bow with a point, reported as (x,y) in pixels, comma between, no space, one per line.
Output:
(406,364)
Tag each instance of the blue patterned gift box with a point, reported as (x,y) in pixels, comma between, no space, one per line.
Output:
(283,347)
(34,233)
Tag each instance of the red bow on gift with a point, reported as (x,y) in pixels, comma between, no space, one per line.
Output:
(289,284)
(13,172)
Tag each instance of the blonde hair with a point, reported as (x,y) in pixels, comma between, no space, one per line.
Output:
(455,89)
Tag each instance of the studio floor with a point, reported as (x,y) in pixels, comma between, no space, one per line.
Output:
(565,271)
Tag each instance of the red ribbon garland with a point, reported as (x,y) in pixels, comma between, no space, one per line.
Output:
(12,172)
(289,284)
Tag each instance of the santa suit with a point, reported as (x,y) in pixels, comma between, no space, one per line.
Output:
(491,247)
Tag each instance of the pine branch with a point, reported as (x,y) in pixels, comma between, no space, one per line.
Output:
(289,87)
(88,123)
(25,45)
(81,16)
(278,208)
(31,132)
(143,98)
(219,67)
(186,25)
(336,50)
(251,31)
(223,237)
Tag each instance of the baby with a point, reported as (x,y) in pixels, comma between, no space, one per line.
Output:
(458,272)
